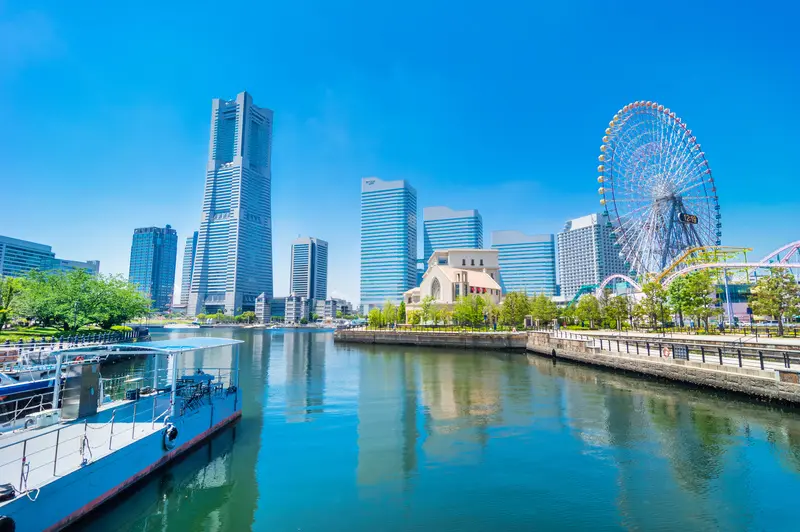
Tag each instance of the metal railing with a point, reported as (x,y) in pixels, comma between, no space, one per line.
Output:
(87,439)
(743,356)
(39,352)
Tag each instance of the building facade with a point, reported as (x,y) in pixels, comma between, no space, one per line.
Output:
(586,254)
(233,262)
(298,309)
(263,310)
(189,251)
(154,253)
(527,262)
(18,257)
(456,273)
(308,276)
(444,228)
(388,240)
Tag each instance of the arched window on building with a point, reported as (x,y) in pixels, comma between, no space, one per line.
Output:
(436,289)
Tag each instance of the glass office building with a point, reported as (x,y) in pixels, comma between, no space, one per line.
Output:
(309,268)
(527,262)
(189,252)
(233,262)
(152,268)
(18,257)
(388,240)
(444,228)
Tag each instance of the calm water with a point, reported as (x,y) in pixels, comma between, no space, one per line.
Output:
(381,438)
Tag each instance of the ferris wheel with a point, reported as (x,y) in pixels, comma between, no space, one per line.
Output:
(656,187)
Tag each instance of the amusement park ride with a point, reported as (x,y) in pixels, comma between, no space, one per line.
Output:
(660,200)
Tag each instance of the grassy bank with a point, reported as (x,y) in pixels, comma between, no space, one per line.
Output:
(27,333)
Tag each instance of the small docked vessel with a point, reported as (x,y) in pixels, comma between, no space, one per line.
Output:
(181,326)
(58,464)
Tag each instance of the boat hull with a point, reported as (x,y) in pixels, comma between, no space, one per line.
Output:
(74,495)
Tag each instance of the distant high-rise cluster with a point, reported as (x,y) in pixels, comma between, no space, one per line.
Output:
(152,267)
(233,259)
(586,254)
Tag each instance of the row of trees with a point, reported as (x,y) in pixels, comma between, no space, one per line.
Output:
(220,317)
(693,296)
(70,300)
(471,310)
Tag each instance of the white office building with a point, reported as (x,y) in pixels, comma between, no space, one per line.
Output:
(233,262)
(586,254)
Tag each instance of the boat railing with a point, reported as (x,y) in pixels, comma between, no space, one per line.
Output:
(75,443)
(40,352)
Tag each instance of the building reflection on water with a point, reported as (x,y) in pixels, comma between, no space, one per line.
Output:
(304,355)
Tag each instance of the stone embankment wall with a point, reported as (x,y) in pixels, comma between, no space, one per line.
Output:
(501,341)
(765,384)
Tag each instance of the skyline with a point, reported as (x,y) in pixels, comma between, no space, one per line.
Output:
(508,124)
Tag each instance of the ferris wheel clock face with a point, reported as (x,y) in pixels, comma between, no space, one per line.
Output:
(656,187)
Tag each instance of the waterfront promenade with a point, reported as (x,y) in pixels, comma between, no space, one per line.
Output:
(767,372)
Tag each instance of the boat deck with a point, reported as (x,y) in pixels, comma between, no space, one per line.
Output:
(31,459)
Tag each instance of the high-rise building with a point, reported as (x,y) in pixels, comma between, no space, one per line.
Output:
(388,240)
(527,262)
(586,254)
(152,270)
(445,228)
(18,257)
(188,267)
(309,268)
(233,262)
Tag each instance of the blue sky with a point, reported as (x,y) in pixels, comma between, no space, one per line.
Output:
(498,106)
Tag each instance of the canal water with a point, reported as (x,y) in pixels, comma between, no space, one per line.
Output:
(379,438)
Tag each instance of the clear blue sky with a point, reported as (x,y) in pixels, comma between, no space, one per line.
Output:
(498,106)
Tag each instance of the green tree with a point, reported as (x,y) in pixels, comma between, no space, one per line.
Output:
(10,287)
(469,310)
(514,308)
(413,317)
(425,308)
(389,313)
(699,296)
(339,314)
(116,302)
(200,317)
(678,297)
(568,314)
(588,309)
(401,312)
(248,316)
(776,296)
(654,304)
(437,314)
(616,310)
(375,318)
(493,313)
(543,309)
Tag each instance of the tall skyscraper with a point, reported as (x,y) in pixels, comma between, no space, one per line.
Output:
(188,267)
(233,263)
(527,262)
(445,228)
(153,255)
(309,268)
(586,254)
(388,240)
